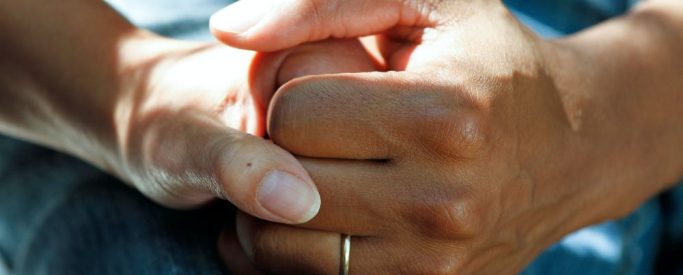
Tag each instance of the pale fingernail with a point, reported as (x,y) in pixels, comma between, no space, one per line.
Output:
(240,17)
(288,197)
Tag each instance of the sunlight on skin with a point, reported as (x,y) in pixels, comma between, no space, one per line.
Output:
(182,122)
(501,142)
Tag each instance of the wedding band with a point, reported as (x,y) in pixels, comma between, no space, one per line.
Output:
(345,254)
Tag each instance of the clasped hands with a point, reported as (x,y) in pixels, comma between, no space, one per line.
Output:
(446,143)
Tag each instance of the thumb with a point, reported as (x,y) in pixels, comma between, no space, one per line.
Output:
(195,157)
(269,25)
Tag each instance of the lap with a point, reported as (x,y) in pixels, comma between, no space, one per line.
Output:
(60,216)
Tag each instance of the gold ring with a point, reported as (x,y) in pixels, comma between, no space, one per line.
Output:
(345,254)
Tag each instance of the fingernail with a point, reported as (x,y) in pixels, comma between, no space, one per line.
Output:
(289,197)
(241,16)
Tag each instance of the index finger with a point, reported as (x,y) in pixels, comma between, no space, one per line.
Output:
(361,116)
(268,25)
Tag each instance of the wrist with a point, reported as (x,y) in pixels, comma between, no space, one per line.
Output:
(69,105)
(618,86)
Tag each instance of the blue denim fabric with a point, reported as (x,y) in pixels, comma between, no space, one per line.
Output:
(61,216)
(180,19)
(569,16)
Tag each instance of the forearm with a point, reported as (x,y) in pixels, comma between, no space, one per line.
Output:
(62,65)
(624,97)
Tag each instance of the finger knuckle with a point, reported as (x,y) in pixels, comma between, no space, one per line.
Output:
(460,135)
(325,15)
(454,133)
(444,265)
(315,9)
(436,263)
(450,220)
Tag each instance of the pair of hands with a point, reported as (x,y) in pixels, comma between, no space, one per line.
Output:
(446,164)
(193,130)
(469,153)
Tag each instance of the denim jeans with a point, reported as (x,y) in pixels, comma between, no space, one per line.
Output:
(59,215)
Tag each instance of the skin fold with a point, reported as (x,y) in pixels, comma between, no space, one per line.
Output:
(481,146)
